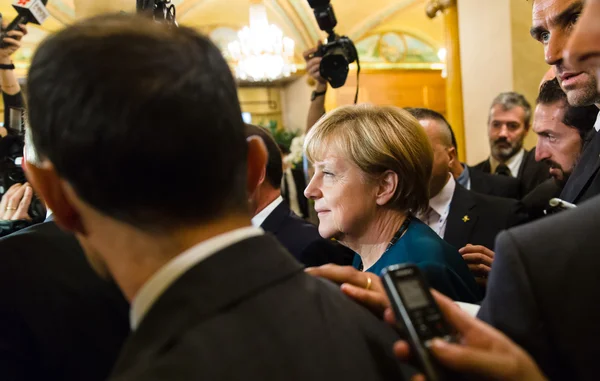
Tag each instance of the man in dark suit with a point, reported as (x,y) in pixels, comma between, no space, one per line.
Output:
(543,289)
(272,214)
(563,131)
(211,296)
(508,124)
(58,319)
(465,219)
(481,182)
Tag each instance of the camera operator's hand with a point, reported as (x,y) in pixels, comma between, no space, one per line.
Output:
(312,67)
(13,39)
(483,351)
(15,203)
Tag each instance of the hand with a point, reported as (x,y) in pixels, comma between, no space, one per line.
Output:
(312,66)
(354,284)
(479,259)
(15,203)
(13,39)
(483,351)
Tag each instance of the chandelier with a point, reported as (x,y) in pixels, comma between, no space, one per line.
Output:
(261,53)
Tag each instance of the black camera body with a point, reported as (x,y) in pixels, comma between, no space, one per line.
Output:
(158,10)
(339,51)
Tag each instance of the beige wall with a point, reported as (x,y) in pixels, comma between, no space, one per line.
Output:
(486,59)
(497,54)
(528,57)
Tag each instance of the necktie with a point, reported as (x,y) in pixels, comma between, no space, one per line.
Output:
(503,170)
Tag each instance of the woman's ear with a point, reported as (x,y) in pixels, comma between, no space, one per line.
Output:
(387,185)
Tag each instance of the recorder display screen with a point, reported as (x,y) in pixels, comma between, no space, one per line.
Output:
(413,294)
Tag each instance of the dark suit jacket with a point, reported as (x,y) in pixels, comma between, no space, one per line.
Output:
(58,319)
(249,312)
(536,202)
(544,288)
(500,186)
(300,184)
(531,173)
(303,240)
(486,216)
(584,182)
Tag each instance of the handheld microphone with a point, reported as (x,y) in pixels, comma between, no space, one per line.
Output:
(29,11)
(558,203)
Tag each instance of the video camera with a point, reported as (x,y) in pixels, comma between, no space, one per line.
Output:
(158,10)
(339,51)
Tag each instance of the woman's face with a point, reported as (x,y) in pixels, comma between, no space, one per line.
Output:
(345,199)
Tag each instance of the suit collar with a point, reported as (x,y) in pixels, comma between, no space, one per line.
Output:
(266,212)
(462,216)
(274,221)
(222,280)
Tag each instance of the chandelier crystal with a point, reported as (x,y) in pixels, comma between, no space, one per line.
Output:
(261,52)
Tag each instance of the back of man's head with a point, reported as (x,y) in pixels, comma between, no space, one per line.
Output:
(580,118)
(446,133)
(274,171)
(143,121)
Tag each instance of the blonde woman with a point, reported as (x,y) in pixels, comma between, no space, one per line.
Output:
(372,170)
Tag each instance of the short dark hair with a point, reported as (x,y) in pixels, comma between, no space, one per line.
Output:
(421,113)
(141,119)
(581,118)
(509,100)
(275,163)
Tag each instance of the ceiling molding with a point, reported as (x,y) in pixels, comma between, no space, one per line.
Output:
(378,18)
(304,12)
(302,37)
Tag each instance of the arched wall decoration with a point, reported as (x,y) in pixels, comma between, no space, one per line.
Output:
(378,18)
(397,49)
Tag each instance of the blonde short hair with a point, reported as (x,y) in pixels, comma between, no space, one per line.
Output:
(377,139)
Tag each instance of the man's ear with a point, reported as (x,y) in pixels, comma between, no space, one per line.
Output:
(387,185)
(53,190)
(257,163)
(452,156)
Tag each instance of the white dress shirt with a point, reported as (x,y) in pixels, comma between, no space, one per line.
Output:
(176,267)
(514,163)
(597,124)
(258,220)
(439,207)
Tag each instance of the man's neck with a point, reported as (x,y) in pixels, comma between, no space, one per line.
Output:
(264,197)
(132,256)
(372,243)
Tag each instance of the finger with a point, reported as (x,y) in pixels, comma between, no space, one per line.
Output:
(22,210)
(474,249)
(308,53)
(402,350)
(418,377)
(24,28)
(471,360)
(480,269)
(476,258)
(388,316)
(342,274)
(456,317)
(377,301)
(13,42)
(481,281)
(17,34)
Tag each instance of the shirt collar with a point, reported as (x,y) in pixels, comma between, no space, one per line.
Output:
(597,124)
(514,163)
(266,212)
(441,201)
(464,177)
(151,291)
